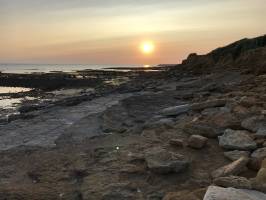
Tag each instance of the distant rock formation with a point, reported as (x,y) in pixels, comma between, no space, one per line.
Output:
(249,54)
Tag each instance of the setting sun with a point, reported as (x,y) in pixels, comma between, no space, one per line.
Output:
(147,47)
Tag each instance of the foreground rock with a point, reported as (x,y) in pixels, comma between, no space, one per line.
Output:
(197,141)
(233,168)
(236,140)
(219,193)
(162,162)
(235,155)
(233,181)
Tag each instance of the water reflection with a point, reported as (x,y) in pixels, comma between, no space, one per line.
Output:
(4,90)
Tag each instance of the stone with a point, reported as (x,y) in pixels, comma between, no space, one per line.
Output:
(162,162)
(233,168)
(254,123)
(235,155)
(219,193)
(259,153)
(197,141)
(197,128)
(176,142)
(261,133)
(236,140)
(176,110)
(259,182)
(208,104)
(257,157)
(233,181)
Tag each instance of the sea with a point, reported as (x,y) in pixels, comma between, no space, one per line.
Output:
(31,68)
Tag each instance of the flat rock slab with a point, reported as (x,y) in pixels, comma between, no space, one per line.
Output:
(219,193)
(236,140)
(52,123)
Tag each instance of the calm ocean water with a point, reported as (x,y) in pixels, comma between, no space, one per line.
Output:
(31,68)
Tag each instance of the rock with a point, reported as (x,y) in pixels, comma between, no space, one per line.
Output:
(197,128)
(233,181)
(254,123)
(162,162)
(261,133)
(258,155)
(197,141)
(208,104)
(176,142)
(236,140)
(219,193)
(259,183)
(233,168)
(176,110)
(235,155)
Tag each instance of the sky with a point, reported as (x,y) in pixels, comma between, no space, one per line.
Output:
(110,31)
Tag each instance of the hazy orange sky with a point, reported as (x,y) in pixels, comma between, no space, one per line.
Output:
(110,31)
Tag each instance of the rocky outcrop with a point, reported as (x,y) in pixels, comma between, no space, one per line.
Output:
(245,53)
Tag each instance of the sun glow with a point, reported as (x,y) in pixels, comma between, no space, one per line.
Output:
(147,47)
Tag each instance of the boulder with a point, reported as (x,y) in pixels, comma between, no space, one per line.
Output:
(233,168)
(162,162)
(219,193)
(208,104)
(176,110)
(233,181)
(197,141)
(235,155)
(236,140)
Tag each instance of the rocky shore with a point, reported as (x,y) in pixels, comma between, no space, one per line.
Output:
(190,132)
